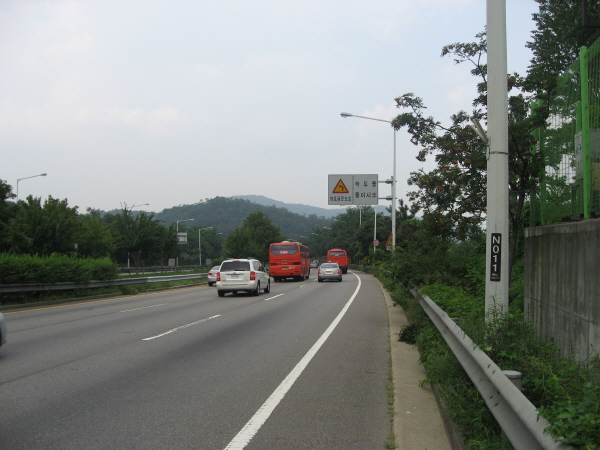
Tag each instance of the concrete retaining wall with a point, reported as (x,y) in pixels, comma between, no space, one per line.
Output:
(562,285)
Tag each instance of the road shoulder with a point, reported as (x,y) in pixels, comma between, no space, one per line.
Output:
(418,422)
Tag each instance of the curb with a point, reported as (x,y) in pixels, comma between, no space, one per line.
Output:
(418,420)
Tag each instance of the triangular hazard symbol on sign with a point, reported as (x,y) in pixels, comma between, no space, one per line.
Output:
(340,188)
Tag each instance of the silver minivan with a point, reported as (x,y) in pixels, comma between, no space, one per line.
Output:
(245,275)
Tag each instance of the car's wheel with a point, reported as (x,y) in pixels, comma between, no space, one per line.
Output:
(221,293)
(340,280)
(257,290)
(320,281)
(210,283)
(268,288)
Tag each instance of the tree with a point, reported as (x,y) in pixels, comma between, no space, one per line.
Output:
(253,237)
(44,229)
(453,195)
(8,210)
(167,242)
(138,234)
(558,36)
(95,240)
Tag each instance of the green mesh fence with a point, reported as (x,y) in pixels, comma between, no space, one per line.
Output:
(570,145)
(592,168)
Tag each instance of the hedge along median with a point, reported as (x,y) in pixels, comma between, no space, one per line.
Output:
(55,268)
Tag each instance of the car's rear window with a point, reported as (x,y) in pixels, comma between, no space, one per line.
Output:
(229,266)
(329,266)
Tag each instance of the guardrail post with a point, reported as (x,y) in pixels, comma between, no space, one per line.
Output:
(515,378)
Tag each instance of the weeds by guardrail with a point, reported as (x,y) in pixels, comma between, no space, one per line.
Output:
(516,415)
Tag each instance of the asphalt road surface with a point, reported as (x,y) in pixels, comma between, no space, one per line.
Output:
(303,367)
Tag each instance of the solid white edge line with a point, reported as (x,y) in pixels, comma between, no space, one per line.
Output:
(249,430)
(180,328)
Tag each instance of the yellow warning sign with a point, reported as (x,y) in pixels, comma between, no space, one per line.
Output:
(340,188)
(389,241)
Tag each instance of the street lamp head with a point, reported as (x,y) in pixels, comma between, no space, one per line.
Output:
(43,174)
(344,115)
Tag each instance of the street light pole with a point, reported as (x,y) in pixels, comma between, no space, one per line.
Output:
(33,176)
(200,244)
(344,115)
(497,229)
(183,220)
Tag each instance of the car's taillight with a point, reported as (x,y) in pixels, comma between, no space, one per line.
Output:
(218,276)
(253,275)
(339,271)
(319,271)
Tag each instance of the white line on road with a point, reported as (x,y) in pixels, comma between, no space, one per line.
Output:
(180,328)
(271,298)
(144,307)
(257,421)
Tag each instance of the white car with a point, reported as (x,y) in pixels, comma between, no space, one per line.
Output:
(2,330)
(212,275)
(245,275)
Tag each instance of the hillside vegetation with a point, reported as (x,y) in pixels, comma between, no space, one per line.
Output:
(225,214)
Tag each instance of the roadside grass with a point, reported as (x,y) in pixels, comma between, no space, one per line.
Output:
(390,443)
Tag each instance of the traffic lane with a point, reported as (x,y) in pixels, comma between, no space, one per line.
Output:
(92,406)
(48,337)
(50,315)
(194,386)
(340,400)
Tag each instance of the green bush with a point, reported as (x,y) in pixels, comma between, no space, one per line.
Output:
(21,269)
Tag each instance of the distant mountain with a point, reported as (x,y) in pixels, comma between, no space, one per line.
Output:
(301,209)
(293,207)
(225,214)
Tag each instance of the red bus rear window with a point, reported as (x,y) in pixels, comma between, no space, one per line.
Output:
(337,253)
(284,249)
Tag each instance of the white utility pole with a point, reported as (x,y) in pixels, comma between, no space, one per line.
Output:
(497,241)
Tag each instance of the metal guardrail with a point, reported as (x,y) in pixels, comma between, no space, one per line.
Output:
(32,287)
(156,269)
(516,415)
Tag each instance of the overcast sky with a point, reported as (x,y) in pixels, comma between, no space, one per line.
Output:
(169,102)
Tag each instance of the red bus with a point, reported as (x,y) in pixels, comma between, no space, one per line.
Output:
(289,260)
(337,255)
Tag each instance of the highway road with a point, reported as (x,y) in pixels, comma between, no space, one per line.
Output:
(303,367)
